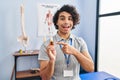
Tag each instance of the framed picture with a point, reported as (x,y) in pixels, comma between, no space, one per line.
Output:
(45,19)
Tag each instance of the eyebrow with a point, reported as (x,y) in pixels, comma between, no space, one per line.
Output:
(61,16)
(64,16)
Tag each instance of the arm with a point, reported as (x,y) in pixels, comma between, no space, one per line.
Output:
(82,57)
(85,60)
(46,69)
(47,66)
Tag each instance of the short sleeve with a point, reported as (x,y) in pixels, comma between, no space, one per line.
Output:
(42,53)
(83,45)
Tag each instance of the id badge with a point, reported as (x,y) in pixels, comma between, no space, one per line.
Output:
(68,73)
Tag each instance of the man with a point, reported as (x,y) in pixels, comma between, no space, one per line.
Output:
(62,59)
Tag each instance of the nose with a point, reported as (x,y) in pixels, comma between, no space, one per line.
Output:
(66,21)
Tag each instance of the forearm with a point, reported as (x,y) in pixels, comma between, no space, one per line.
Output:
(47,72)
(86,63)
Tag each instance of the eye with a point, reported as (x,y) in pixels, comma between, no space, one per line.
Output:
(62,18)
(70,18)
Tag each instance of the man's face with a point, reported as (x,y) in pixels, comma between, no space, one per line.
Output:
(65,22)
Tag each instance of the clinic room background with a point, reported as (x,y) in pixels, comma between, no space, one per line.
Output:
(10,30)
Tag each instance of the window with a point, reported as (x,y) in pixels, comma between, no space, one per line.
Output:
(108,36)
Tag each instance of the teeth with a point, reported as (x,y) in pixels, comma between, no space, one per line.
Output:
(66,27)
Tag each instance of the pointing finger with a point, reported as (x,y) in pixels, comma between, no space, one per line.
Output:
(61,43)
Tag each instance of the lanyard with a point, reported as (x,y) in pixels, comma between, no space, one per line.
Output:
(67,58)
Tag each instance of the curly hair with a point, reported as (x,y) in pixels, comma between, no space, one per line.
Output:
(70,9)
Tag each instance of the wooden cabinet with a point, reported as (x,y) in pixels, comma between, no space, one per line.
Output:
(27,73)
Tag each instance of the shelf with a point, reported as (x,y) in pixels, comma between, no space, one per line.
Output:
(29,53)
(26,74)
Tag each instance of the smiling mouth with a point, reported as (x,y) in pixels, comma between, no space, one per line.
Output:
(66,26)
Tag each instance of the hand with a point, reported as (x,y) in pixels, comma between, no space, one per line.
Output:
(67,49)
(51,51)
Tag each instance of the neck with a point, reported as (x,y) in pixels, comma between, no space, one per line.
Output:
(64,36)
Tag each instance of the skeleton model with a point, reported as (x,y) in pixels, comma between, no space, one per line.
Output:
(23,39)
